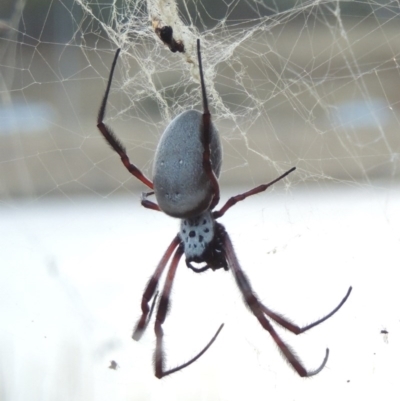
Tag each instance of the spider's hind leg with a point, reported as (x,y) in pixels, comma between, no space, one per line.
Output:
(109,135)
(207,135)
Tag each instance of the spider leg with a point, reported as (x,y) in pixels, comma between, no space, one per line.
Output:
(149,204)
(257,308)
(163,306)
(287,324)
(235,199)
(151,289)
(111,138)
(207,135)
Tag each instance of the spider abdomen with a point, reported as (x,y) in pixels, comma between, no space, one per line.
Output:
(181,186)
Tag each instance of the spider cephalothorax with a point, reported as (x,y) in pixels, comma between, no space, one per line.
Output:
(186,166)
(202,238)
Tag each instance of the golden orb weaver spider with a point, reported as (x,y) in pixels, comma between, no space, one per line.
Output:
(186,166)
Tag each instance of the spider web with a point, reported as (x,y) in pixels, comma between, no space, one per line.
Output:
(311,84)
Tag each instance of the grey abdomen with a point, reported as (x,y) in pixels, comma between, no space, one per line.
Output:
(181,186)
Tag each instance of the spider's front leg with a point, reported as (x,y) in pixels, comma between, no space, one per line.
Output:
(163,306)
(259,310)
(294,328)
(151,289)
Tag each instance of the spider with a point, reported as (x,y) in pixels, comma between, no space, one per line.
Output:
(186,166)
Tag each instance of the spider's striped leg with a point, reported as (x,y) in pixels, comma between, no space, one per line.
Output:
(159,356)
(111,138)
(257,308)
(151,289)
(235,199)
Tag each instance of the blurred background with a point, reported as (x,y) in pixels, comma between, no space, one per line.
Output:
(314,85)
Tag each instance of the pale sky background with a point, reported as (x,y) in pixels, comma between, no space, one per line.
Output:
(73,272)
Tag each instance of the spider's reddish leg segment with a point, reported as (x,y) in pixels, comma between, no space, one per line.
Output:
(207,135)
(257,308)
(111,137)
(159,356)
(235,199)
(151,289)
(149,204)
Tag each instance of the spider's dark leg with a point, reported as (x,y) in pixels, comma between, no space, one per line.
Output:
(151,289)
(293,327)
(257,308)
(149,204)
(207,135)
(111,137)
(159,356)
(235,199)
